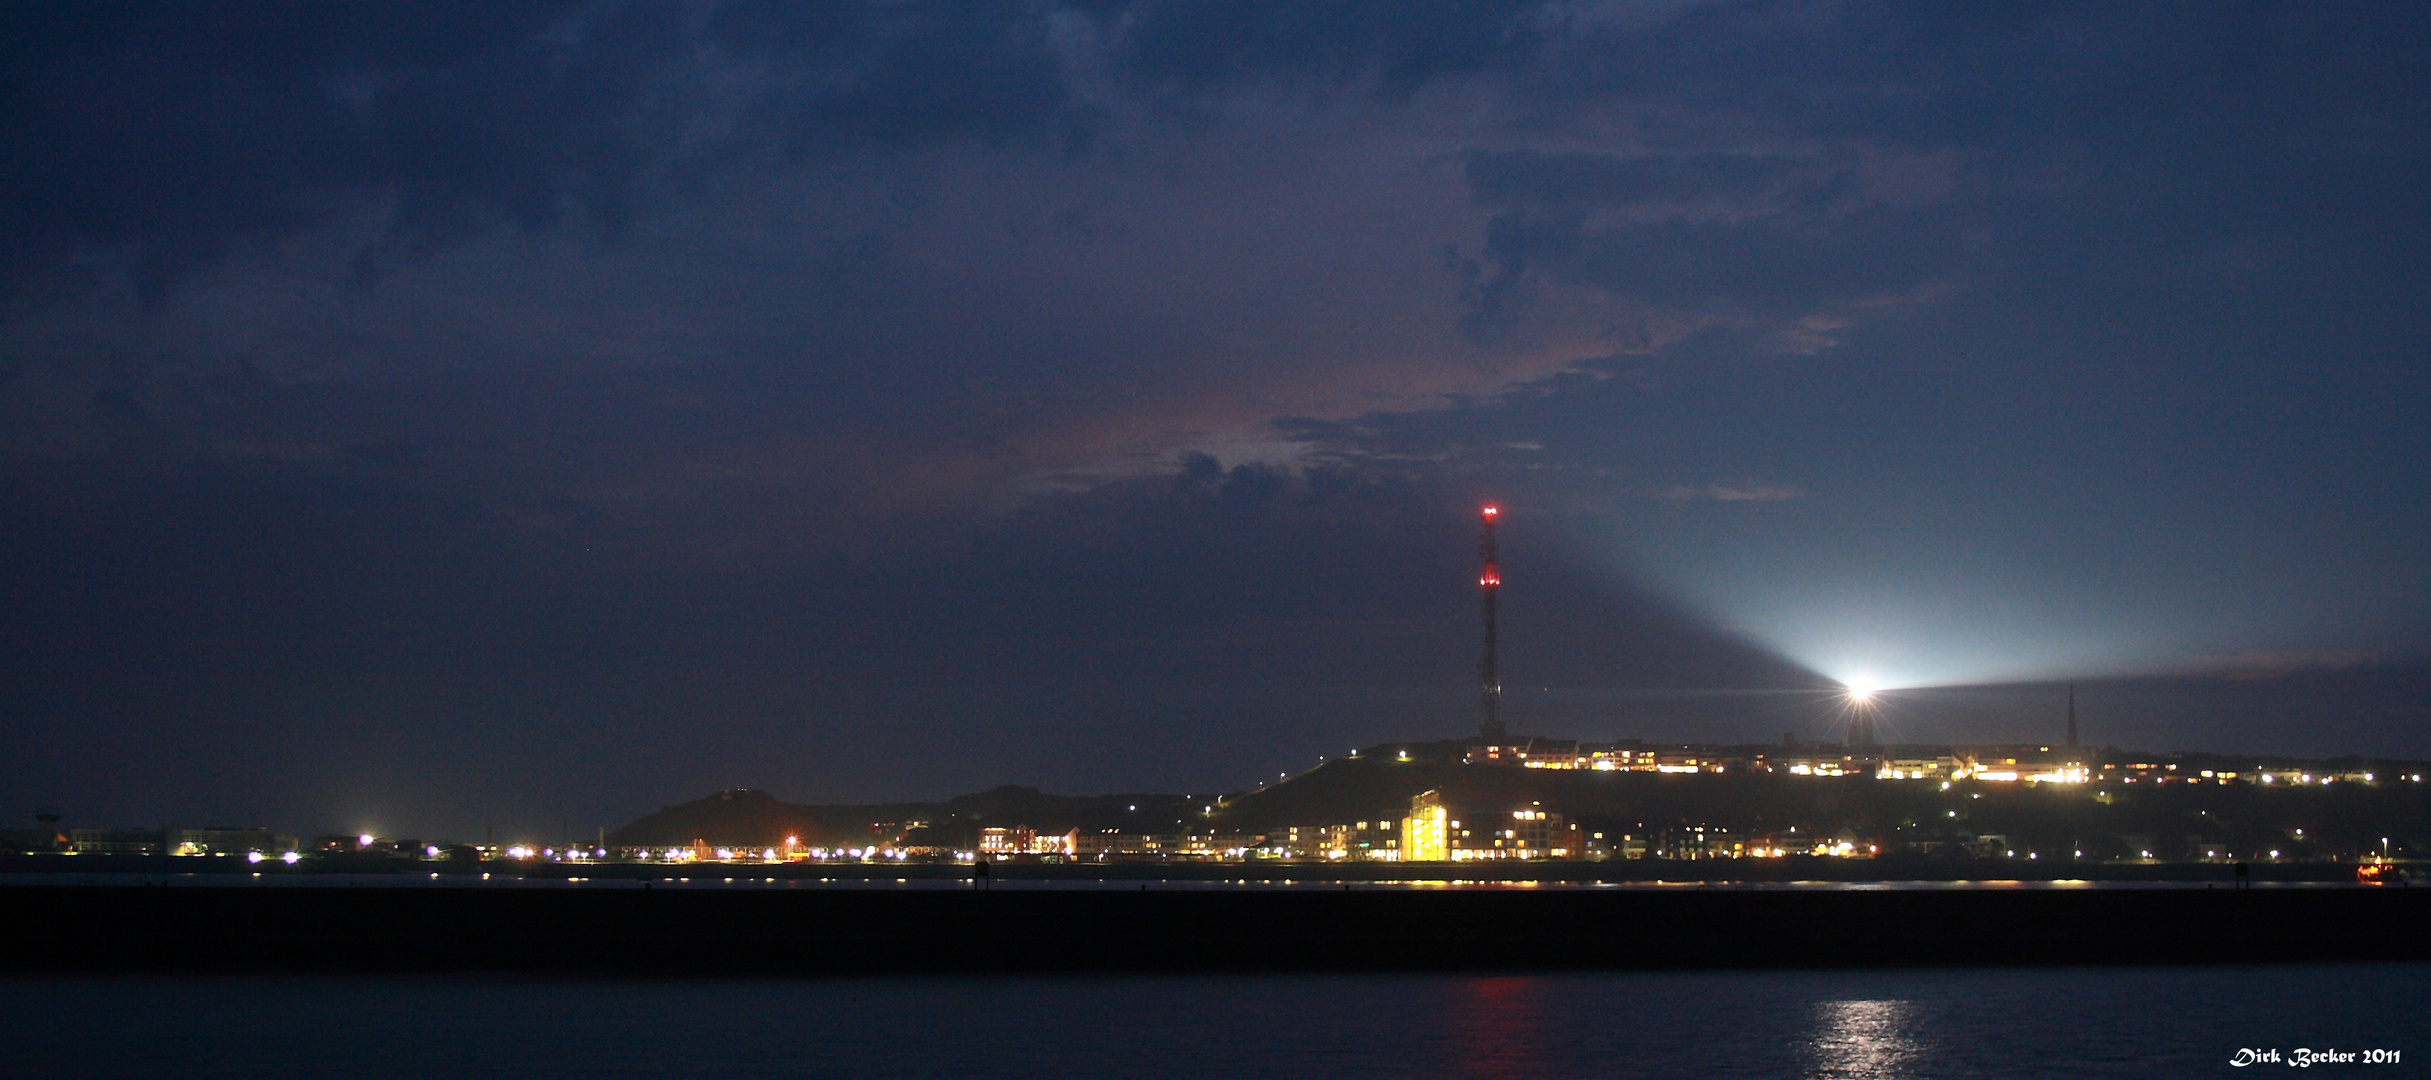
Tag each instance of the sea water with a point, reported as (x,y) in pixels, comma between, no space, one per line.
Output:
(1938,1022)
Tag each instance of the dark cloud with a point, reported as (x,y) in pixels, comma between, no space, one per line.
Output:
(1702,235)
(450,390)
(1818,158)
(173,134)
(834,76)
(1529,179)
(170,135)
(178,134)
(1196,48)
(1783,265)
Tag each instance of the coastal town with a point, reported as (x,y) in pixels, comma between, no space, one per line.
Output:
(1481,800)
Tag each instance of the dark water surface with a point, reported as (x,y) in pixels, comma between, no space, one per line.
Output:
(1960,1022)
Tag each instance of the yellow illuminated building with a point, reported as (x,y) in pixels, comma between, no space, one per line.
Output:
(1436,832)
(2030,765)
(1426,833)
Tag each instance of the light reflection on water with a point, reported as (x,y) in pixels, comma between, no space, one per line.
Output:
(1864,1040)
(1957,1022)
(1498,1024)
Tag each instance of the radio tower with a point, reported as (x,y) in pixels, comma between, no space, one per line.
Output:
(1489,671)
(2072,716)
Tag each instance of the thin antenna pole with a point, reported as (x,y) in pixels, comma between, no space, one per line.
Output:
(1489,671)
(2072,715)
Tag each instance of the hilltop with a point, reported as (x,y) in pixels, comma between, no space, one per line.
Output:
(742,817)
(2103,819)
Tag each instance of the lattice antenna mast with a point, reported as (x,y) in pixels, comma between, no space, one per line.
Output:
(1489,670)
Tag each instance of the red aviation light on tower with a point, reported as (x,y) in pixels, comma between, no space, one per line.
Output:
(1489,669)
(1489,575)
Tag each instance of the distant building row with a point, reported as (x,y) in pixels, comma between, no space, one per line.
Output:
(172,840)
(1996,764)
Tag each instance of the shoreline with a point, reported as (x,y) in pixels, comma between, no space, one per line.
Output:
(1791,869)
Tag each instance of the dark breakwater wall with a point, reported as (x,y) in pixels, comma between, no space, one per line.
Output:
(843,931)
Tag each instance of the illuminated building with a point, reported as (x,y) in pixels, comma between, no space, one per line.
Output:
(1529,753)
(118,841)
(1629,756)
(172,840)
(1689,760)
(1693,842)
(1918,768)
(1377,840)
(1437,832)
(1998,764)
(1111,843)
(2279,774)
(2022,764)
(1842,765)
(1493,753)
(1534,753)
(1617,845)
(228,841)
(1215,845)
(1426,833)
(1771,846)
(1002,841)
(1293,842)
(1553,754)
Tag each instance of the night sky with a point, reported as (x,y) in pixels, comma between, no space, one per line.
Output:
(423,416)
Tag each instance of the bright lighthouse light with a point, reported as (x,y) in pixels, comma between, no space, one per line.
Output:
(1861,690)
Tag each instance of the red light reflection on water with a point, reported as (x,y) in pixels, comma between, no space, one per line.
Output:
(1499,1031)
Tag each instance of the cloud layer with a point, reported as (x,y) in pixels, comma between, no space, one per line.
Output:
(1801,338)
